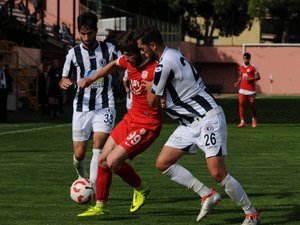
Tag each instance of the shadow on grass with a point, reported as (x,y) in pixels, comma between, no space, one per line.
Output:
(269,110)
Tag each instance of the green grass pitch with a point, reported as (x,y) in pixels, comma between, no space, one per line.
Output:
(36,173)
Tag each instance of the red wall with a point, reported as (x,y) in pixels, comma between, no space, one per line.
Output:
(219,66)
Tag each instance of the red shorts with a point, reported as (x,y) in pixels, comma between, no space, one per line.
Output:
(135,137)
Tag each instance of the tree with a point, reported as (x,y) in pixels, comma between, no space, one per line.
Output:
(288,11)
(229,16)
(158,9)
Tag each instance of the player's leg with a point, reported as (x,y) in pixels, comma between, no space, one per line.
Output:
(215,155)
(103,182)
(79,157)
(99,139)
(216,167)
(135,142)
(177,145)
(81,129)
(251,100)
(116,161)
(166,163)
(242,99)
(103,121)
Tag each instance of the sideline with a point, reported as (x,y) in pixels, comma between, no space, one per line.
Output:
(33,129)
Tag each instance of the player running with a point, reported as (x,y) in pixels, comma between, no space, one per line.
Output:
(133,135)
(202,122)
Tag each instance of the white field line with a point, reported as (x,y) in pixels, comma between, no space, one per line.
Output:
(32,129)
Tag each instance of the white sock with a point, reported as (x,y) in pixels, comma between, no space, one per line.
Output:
(79,167)
(184,177)
(236,192)
(94,165)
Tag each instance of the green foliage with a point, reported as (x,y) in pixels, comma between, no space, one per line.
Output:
(157,9)
(287,11)
(229,16)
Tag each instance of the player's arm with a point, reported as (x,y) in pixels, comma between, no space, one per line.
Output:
(65,83)
(256,76)
(106,70)
(68,68)
(156,89)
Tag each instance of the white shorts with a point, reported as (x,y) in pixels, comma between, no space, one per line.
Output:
(210,135)
(100,120)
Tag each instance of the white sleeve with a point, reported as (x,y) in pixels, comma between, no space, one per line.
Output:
(163,73)
(68,64)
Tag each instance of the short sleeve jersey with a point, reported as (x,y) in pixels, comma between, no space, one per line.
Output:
(247,71)
(81,62)
(186,95)
(140,108)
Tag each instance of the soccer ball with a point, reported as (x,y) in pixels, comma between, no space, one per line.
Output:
(82,191)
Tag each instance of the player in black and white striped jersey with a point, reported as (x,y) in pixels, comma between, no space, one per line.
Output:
(93,107)
(202,122)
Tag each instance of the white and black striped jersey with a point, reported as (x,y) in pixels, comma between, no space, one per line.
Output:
(81,62)
(186,95)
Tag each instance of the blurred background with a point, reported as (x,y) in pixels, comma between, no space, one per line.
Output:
(213,35)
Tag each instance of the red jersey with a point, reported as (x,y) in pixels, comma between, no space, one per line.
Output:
(249,72)
(141,110)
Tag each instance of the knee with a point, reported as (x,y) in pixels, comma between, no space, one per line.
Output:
(102,162)
(162,165)
(79,156)
(218,175)
(113,165)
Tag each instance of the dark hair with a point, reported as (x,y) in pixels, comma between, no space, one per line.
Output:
(127,43)
(247,55)
(114,37)
(148,34)
(1,57)
(87,20)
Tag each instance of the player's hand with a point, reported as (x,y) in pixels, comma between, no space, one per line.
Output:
(85,82)
(65,83)
(146,84)
(127,89)
(163,102)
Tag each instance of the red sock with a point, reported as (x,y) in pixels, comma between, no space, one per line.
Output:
(241,106)
(104,178)
(251,101)
(128,174)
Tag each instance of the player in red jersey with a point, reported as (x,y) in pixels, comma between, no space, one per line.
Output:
(133,135)
(246,82)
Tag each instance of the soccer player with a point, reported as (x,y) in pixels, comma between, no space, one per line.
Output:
(202,122)
(248,76)
(134,134)
(93,107)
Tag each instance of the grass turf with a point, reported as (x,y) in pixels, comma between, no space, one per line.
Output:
(36,173)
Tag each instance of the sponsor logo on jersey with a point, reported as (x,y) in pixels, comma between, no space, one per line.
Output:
(145,74)
(137,89)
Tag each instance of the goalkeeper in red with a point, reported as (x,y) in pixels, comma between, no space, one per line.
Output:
(134,134)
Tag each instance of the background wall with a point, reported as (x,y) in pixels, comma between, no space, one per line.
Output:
(219,66)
